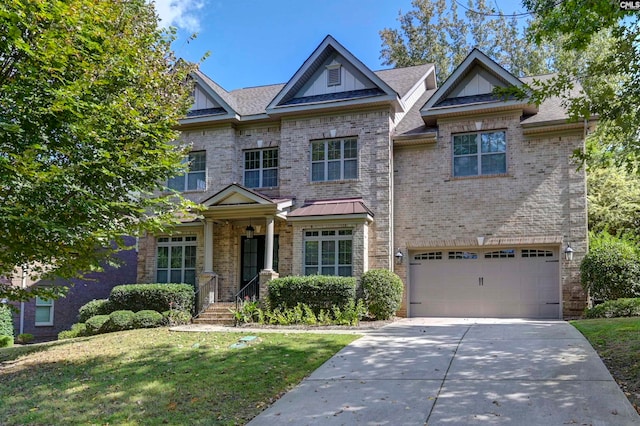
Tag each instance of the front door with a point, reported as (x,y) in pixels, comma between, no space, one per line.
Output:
(252,259)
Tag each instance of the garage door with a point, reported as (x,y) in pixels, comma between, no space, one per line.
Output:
(501,283)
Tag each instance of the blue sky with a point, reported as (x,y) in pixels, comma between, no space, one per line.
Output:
(259,42)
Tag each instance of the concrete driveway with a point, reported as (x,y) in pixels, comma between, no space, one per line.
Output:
(434,371)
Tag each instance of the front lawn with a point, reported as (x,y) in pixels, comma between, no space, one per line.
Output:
(617,341)
(154,376)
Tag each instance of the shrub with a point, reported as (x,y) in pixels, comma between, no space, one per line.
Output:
(77,330)
(248,311)
(95,324)
(6,321)
(176,317)
(118,321)
(611,269)
(155,297)
(316,291)
(629,307)
(147,319)
(6,341)
(24,338)
(382,291)
(93,308)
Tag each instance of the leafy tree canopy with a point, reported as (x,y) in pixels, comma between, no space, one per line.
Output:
(90,93)
(435,32)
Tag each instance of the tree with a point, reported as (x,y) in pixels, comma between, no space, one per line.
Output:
(90,93)
(434,32)
(607,36)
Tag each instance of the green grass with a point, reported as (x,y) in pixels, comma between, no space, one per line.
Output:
(617,341)
(154,376)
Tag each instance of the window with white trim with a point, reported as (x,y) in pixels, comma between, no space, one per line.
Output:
(328,252)
(335,159)
(44,312)
(464,255)
(261,168)
(195,178)
(479,154)
(176,260)
(500,254)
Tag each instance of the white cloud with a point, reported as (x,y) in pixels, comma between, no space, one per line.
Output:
(179,13)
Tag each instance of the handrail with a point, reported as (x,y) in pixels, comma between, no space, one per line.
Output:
(206,295)
(250,290)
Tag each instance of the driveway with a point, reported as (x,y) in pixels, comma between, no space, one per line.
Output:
(435,371)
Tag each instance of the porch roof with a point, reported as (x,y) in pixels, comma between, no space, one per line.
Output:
(236,201)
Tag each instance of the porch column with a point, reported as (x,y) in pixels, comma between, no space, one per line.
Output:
(208,245)
(268,256)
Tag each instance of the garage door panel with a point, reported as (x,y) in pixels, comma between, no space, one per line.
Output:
(495,283)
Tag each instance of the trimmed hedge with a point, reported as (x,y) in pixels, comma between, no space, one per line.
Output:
(6,341)
(94,324)
(147,319)
(382,290)
(629,307)
(77,330)
(6,321)
(176,317)
(155,297)
(93,308)
(118,321)
(316,291)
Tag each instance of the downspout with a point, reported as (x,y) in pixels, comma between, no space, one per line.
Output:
(24,286)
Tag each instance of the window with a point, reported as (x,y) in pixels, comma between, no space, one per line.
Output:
(328,252)
(195,178)
(261,168)
(44,311)
(334,160)
(176,260)
(477,154)
(500,254)
(536,253)
(455,255)
(431,255)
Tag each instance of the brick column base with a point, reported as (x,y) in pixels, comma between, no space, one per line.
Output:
(265,277)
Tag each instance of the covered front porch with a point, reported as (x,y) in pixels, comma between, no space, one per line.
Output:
(242,236)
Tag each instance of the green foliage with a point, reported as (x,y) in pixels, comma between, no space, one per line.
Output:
(606,36)
(6,321)
(94,324)
(248,311)
(316,291)
(156,297)
(77,330)
(90,94)
(118,321)
(628,307)
(301,314)
(611,269)
(434,32)
(24,338)
(176,317)
(382,291)
(6,341)
(93,308)
(147,319)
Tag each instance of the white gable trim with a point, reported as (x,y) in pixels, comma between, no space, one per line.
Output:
(209,91)
(235,194)
(475,58)
(309,67)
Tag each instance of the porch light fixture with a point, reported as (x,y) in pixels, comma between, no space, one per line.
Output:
(568,252)
(249,231)
(398,257)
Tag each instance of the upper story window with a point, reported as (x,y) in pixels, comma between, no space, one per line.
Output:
(335,159)
(261,168)
(195,178)
(44,311)
(479,154)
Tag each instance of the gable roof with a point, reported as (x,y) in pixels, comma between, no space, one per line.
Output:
(284,101)
(215,92)
(452,97)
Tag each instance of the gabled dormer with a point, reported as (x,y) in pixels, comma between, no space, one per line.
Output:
(210,101)
(469,89)
(332,77)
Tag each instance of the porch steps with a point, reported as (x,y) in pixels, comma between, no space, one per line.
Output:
(217,314)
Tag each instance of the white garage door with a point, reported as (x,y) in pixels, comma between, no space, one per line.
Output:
(501,283)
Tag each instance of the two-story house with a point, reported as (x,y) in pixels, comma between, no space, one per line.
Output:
(473,200)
